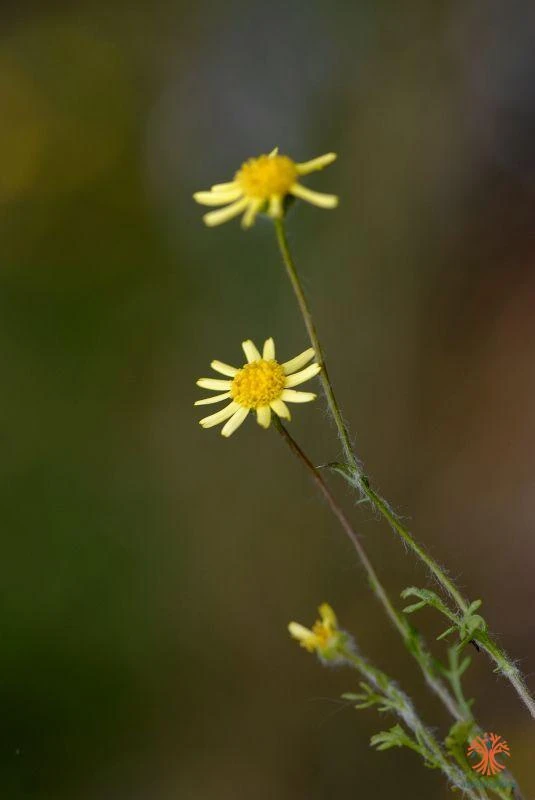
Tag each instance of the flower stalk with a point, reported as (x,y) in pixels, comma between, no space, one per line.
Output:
(334,408)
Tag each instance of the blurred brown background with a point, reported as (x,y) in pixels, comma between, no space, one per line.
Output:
(149,568)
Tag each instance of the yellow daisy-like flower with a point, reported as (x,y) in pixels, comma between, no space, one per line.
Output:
(262,184)
(324,636)
(262,385)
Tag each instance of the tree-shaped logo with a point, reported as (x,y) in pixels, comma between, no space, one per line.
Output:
(488,747)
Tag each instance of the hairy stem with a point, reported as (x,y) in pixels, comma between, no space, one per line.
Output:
(360,482)
(315,342)
(446,583)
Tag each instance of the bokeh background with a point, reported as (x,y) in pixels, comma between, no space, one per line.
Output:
(149,568)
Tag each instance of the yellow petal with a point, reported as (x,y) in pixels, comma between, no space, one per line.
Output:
(213,383)
(225,214)
(263,416)
(251,353)
(291,396)
(316,163)
(234,422)
(298,362)
(301,377)
(206,401)
(328,617)
(316,198)
(268,353)
(224,187)
(281,409)
(219,416)
(216,198)
(250,215)
(224,369)
(304,636)
(275,206)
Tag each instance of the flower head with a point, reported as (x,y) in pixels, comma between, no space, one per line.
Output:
(325,636)
(262,183)
(262,385)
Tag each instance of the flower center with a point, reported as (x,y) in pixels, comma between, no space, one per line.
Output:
(262,177)
(257,384)
(323,634)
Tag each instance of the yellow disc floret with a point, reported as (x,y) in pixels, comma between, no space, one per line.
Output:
(265,176)
(258,384)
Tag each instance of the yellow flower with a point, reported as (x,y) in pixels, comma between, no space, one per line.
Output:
(324,636)
(262,184)
(262,384)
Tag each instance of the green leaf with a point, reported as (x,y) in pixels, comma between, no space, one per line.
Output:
(474,606)
(446,633)
(414,607)
(463,666)
(351,696)
(395,737)
(344,470)
(468,626)
(429,598)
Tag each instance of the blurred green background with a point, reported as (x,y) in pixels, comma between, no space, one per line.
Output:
(149,568)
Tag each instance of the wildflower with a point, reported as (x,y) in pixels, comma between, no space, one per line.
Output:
(325,636)
(262,184)
(262,384)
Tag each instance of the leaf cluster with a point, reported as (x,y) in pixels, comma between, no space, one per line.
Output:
(468,625)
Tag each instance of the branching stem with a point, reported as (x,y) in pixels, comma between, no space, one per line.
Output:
(360,482)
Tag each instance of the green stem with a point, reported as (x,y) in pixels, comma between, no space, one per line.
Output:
(447,584)
(315,342)
(361,483)
(454,677)
(508,670)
